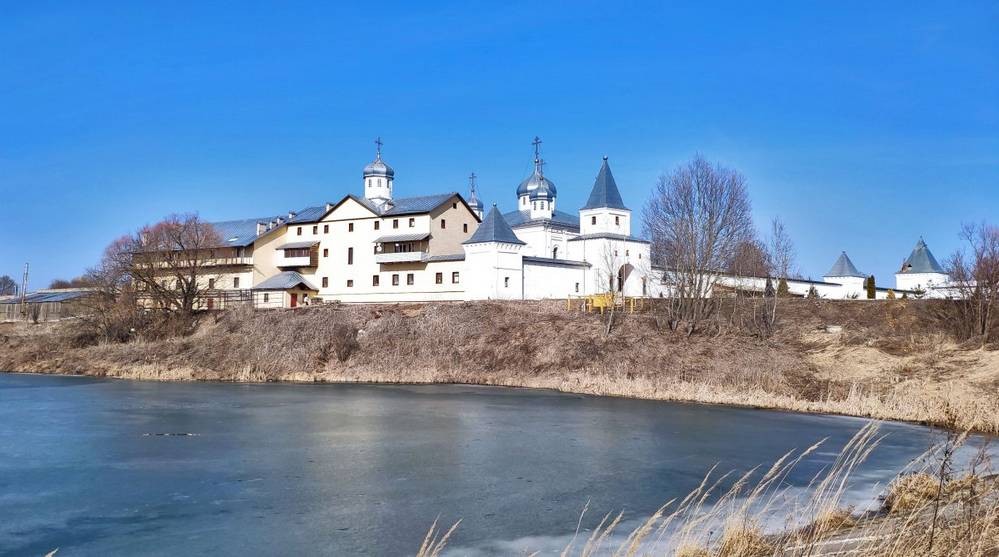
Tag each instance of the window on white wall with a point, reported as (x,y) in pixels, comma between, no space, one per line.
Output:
(506,282)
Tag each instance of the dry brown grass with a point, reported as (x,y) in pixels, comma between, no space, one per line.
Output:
(886,364)
(911,491)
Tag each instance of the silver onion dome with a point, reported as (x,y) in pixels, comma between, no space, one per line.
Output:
(378,167)
(537,185)
(473,197)
(474,202)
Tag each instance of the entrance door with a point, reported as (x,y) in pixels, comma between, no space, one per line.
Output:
(294,300)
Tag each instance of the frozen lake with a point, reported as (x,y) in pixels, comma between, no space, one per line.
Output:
(363,469)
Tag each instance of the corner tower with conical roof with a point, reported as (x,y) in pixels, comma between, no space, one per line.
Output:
(604,212)
(921,271)
(494,264)
(378,178)
(845,273)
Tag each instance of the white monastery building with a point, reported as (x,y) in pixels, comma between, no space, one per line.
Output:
(379,248)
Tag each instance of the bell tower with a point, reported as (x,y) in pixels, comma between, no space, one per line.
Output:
(378,178)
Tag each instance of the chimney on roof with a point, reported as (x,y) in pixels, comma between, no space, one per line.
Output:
(329,207)
(291,215)
(261,228)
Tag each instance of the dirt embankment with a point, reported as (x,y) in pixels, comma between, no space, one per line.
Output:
(885,361)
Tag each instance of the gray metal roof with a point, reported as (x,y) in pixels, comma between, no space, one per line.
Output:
(609,236)
(604,192)
(494,229)
(555,262)
(446,257)
(398,206)
(422,204)
(284,281)
(921,260)
(298,245)
(559,218)
(40,297)
(403,237)
(308,214)
(843,267)
(239,233)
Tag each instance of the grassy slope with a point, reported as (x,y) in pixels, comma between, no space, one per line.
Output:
(885,364)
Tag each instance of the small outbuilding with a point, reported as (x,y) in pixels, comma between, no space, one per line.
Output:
(45,305)
(287,289)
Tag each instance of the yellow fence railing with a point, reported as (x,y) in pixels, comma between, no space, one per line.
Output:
(605,301)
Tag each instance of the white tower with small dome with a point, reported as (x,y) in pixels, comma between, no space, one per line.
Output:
(378,178)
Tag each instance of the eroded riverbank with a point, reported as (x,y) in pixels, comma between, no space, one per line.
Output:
(883,363)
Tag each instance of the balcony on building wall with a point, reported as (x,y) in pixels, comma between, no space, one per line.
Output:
(402,248)
(298,254)
(222,257)
(230,261)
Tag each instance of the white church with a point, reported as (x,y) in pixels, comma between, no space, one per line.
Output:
(380,248)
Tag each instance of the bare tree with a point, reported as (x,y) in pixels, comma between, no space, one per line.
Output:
(608,265)
(975,281)
(172,262)
(750,260)
(8,287)
(113,313)
(780,259)
(77,282)
(780,250)
(696,219)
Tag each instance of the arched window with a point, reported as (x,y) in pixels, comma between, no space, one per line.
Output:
(555,252)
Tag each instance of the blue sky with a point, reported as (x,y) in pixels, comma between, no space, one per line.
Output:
(863,126)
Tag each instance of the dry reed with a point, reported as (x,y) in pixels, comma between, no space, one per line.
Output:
(960,520)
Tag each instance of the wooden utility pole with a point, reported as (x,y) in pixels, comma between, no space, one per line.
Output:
(24,291)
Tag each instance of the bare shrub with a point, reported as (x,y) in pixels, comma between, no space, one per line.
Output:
(340,343)
(974,274)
